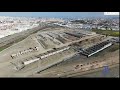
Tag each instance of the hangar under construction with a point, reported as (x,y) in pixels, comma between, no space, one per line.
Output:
(96,48)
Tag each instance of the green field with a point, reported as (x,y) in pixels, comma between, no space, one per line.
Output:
(107,32)
(1,48)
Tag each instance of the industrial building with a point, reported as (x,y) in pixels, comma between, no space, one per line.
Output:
(96,48)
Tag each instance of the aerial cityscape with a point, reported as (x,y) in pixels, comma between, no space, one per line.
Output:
(59,44)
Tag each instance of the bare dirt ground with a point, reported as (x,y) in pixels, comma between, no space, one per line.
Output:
(67,67)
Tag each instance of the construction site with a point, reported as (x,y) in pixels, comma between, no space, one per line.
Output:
(48,47)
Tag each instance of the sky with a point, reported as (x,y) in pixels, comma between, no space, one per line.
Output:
(54,14)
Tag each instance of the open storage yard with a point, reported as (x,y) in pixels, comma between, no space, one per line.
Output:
(107,32)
